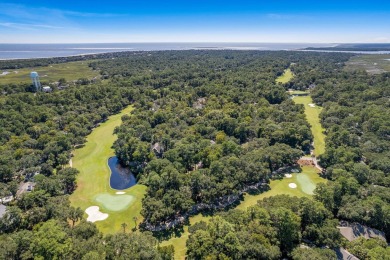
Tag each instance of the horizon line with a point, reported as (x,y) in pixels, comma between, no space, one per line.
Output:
(192,42)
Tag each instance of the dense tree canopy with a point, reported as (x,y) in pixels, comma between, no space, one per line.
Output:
(207,125)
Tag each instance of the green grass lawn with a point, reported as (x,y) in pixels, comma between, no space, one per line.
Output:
(312,116)
(93,188)
(306,182)
(286,77)
(70,71)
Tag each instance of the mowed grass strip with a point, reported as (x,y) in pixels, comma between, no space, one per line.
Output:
(313,117)
(70,71)
(93,179)
(286,76)
(306,182)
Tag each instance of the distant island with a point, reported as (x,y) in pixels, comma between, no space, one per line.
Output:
(354,47)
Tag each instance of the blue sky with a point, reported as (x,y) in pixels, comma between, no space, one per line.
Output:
(194,21)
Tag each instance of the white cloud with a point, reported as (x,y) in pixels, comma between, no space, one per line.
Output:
(25,26)
(33,18)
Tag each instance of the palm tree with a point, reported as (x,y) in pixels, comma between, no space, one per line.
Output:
(75,214)
(135,218)
(124,225)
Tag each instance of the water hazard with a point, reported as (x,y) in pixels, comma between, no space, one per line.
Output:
(121,178)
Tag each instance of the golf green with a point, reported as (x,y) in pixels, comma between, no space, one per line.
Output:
(305,183)
(93,181)
(114,202)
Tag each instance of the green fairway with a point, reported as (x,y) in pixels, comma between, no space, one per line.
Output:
(313,117)
(93,188)
(179,242)
(286,77)
(70,71)
(306,182)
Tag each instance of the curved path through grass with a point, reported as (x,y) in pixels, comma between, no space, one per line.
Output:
(93,188)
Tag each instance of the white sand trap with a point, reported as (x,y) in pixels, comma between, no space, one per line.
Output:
(292,185)
(312,105)
(120,192)
(287,175)
(94,214)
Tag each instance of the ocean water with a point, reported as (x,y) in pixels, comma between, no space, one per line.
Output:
(28,51)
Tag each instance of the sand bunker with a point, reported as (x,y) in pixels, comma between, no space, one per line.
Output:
(120,192)
(94,214)
(292,185)
(312,105)
(287,175)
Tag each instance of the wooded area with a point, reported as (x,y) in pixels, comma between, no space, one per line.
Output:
(206,125)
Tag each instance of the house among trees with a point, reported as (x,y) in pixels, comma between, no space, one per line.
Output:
(353,231)
(2,210)
(158,149)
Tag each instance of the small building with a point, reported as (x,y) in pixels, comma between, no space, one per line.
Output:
(343,254)
(3,209)
(46,89)
(158,150)
(352,231)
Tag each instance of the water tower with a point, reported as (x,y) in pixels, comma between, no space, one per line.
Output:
(35,80)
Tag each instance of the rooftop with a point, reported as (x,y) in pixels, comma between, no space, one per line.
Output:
(2,210)
(352,231)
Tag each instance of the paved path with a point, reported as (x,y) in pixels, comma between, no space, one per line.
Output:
(316,164)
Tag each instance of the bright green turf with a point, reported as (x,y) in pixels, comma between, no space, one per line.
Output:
(93,179)
(286,77)
(312,116)
(306,182)
(70,71)
(114,202)
(179,242)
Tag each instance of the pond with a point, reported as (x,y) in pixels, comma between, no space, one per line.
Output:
(121,178)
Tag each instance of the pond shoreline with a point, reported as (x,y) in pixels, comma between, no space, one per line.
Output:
(121,178)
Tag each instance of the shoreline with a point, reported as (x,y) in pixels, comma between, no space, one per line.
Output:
(198,48)
(61,57)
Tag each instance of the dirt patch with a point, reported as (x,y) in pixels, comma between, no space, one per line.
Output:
(306,161)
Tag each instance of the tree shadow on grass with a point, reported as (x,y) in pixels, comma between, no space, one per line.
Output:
(170,233)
